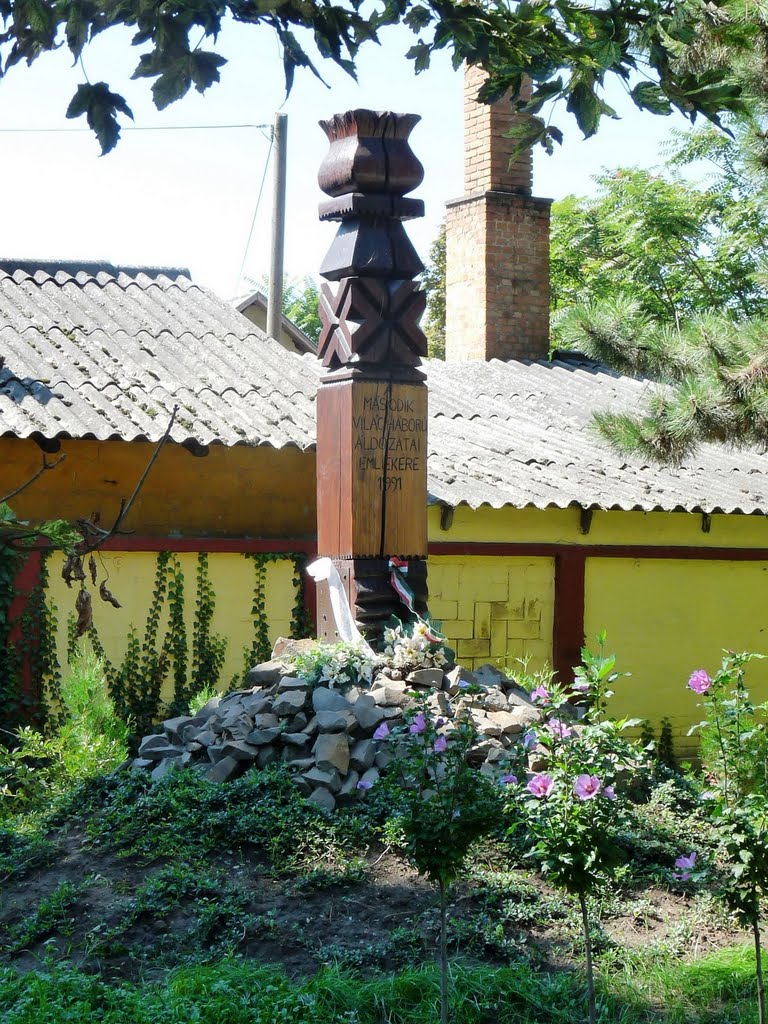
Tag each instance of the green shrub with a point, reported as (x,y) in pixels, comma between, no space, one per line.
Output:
(90,740)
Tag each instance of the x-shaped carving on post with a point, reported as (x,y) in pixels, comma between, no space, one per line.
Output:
(333,345)
(372,321)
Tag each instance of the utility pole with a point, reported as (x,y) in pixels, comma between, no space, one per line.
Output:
(275,297)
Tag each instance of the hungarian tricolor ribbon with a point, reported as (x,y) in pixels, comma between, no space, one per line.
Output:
(398,570)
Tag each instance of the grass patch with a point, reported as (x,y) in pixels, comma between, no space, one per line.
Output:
(717,988)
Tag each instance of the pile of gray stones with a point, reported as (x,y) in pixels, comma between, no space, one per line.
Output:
(325,736)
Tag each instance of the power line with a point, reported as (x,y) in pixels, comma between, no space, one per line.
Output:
(137,128)
(255,212)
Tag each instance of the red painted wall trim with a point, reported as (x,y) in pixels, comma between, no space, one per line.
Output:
(568,625)
(600,551)
(303,545)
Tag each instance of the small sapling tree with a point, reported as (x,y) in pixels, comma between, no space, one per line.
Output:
(567,812)
(734,759)
(441,803)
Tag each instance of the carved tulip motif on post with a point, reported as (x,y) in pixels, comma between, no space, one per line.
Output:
(372,400)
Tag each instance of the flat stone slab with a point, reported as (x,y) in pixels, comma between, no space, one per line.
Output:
(164,768)
(266,755)
(362,755)
(223,770)
(457,676)
(287,647)
(426,678)
(331,751)
(240,751)
(174,727)
(256,703)
(205,737)
(368,713)
(266,674)
(489,675)
(289,703)
(323,777)
(322,799)
(525,714)
(335,721)
(158,751)
(326,699)
(295,739)
(266,720)
(495,699)
(260,737)
(508,722)
(288,683)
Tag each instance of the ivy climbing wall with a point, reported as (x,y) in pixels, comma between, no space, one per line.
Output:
(494,609)
(225,611)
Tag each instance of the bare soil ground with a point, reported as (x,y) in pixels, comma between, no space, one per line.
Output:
(102,912)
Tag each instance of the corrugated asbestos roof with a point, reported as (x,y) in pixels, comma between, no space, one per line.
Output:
(520,433)
(107,355)
(102,354)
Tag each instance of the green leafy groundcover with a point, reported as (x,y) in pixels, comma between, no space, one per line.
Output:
(235,992)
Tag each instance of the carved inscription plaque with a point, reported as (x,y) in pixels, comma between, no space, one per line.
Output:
(381,491)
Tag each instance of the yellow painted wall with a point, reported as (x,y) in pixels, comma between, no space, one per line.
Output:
(665,618)
(131,579)
(231,492)
(494,609)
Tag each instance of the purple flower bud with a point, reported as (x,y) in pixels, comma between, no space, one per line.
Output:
(699,681)
(540,695)
(382,732)
(418,725)
(530,739)
(685,865)
(364,784)
(440,744)
(609,792)
(558,728)
(508,780)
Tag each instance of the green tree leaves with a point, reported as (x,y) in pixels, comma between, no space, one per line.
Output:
(566,48)
(433,282)
(101,107)
(300,305)
(659,278)
(674,248)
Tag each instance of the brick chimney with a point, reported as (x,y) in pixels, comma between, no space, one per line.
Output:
(497,243)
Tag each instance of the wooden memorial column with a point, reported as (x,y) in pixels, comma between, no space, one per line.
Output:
(372,398)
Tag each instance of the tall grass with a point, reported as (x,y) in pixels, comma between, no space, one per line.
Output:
(716,988)
(89,741)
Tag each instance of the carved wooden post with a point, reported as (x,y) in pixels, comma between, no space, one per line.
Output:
(372,399)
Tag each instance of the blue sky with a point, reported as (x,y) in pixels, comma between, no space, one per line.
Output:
(187,198)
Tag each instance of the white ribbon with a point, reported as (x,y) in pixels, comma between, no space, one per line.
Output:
(323,570)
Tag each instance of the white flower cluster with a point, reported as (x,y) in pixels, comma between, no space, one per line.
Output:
(412,649)
(335,665)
